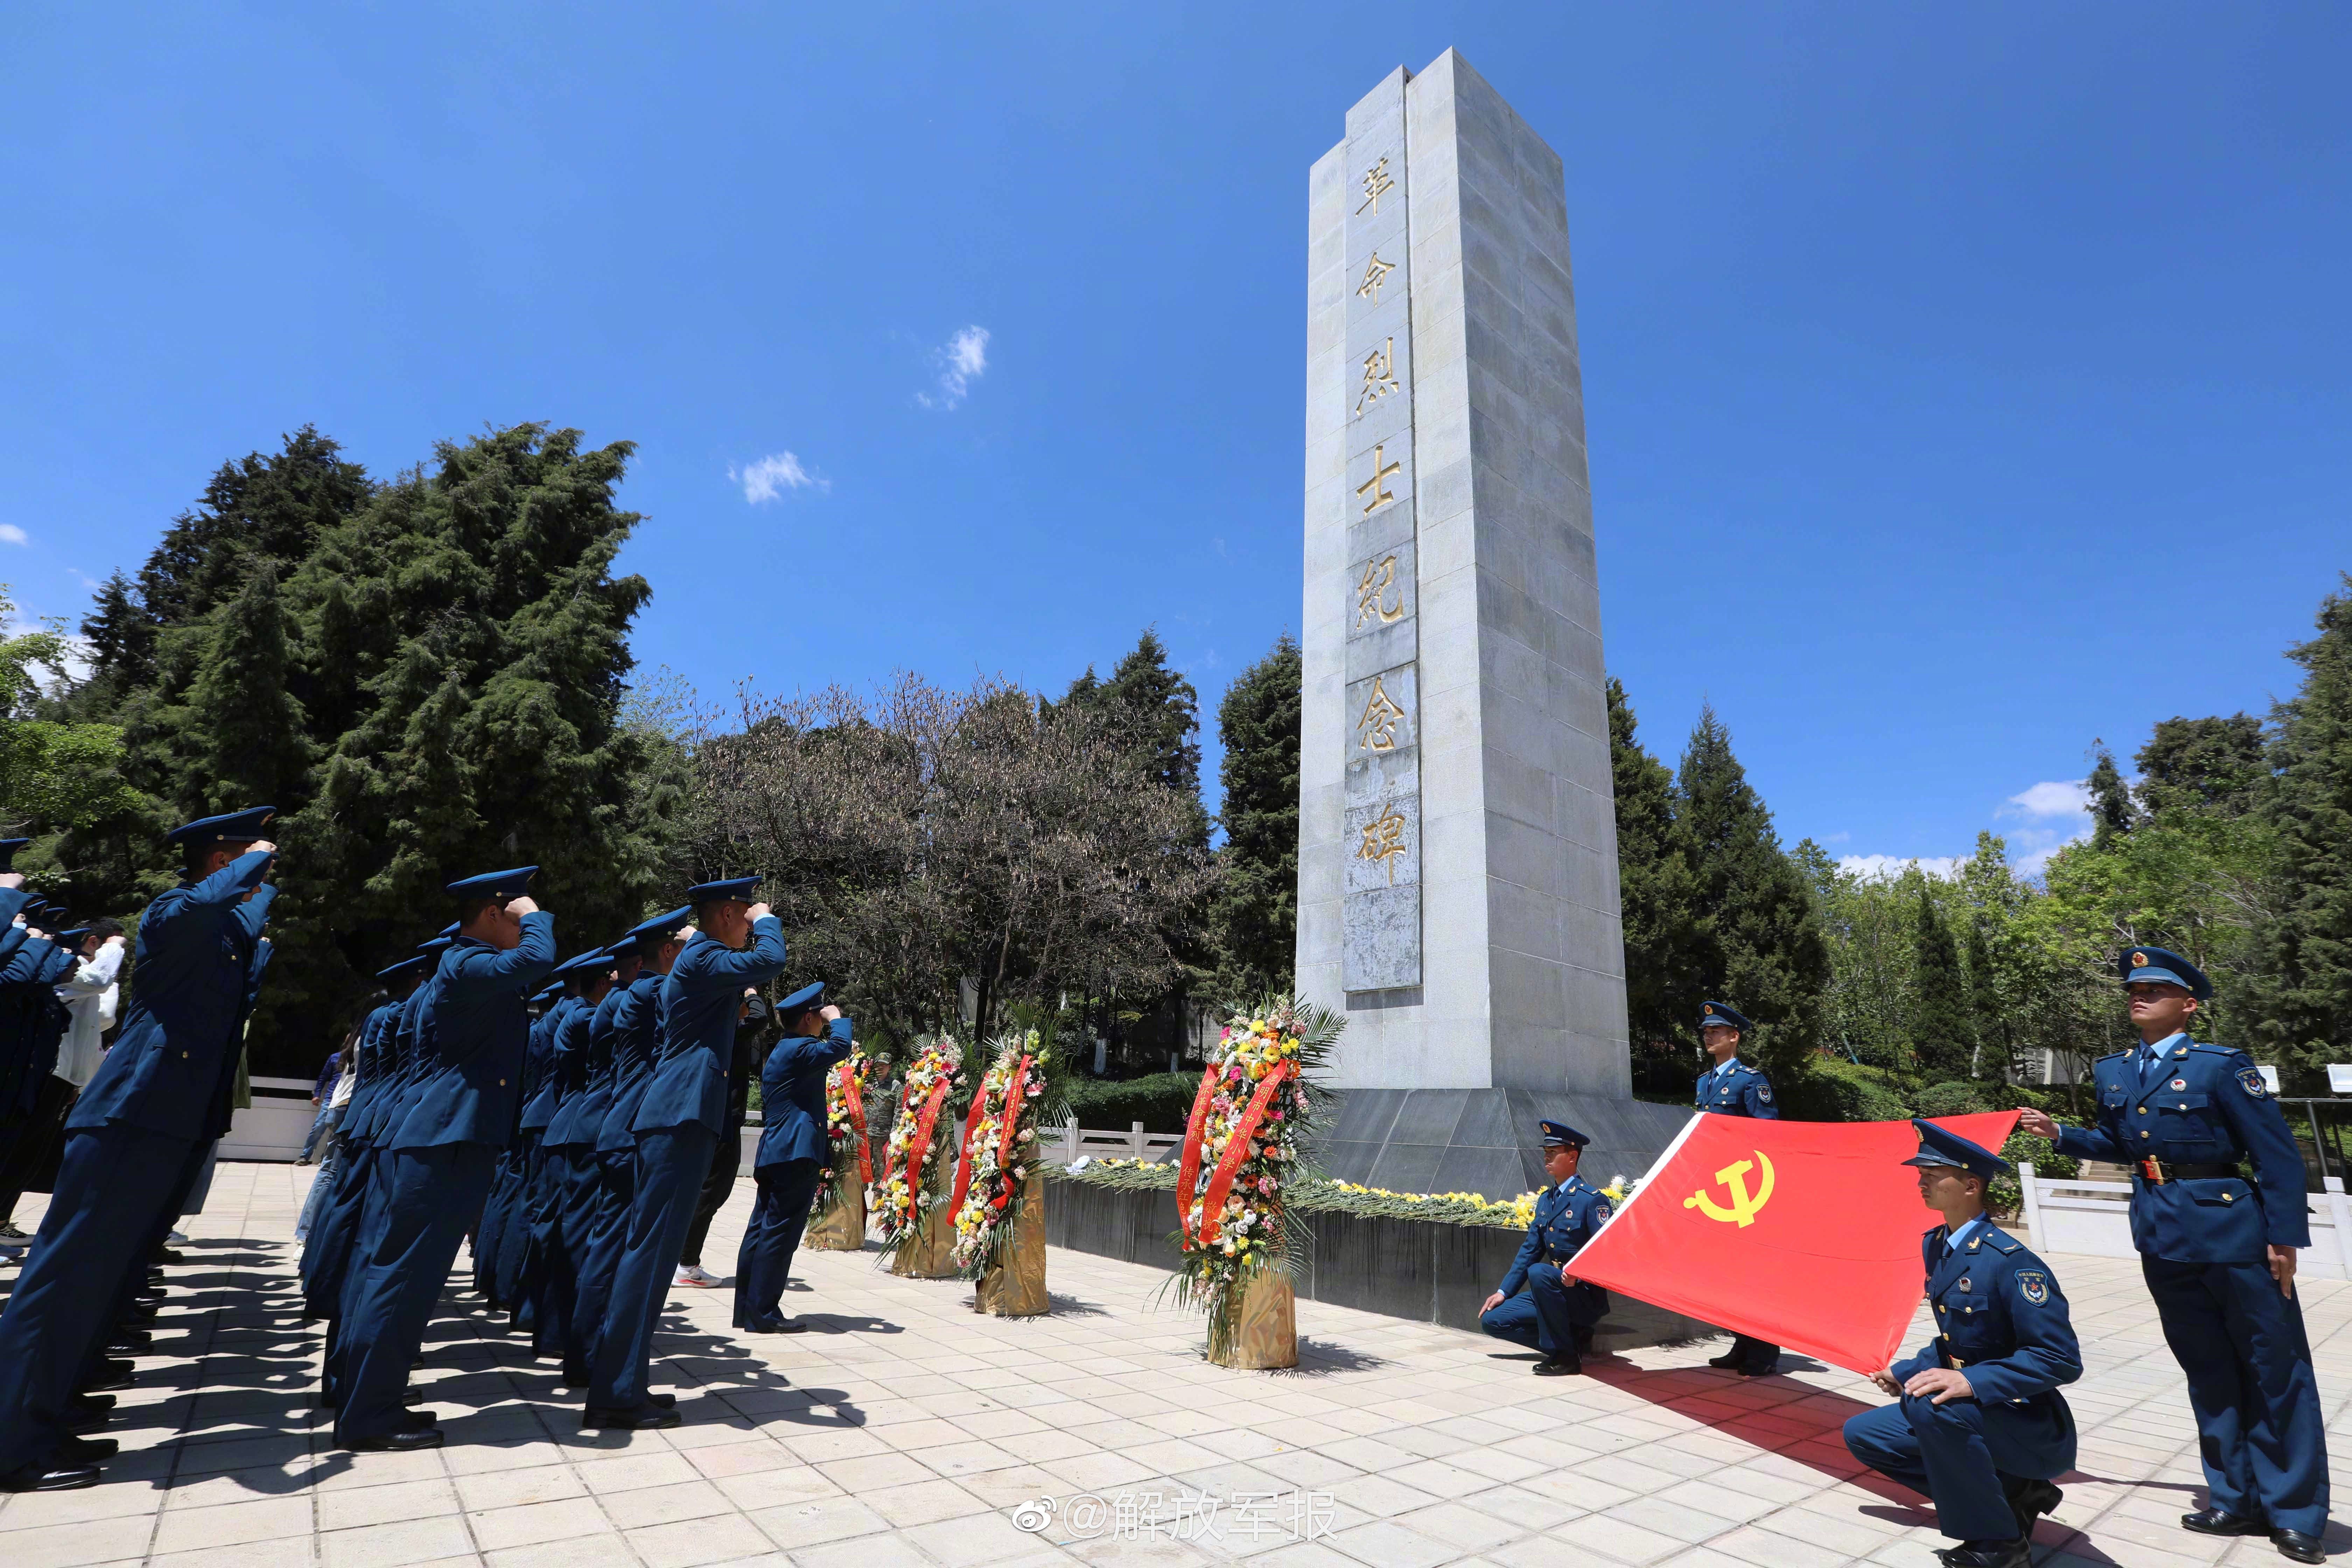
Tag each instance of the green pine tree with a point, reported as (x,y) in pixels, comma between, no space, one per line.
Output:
(2300,995)
(1654,886)
(1254,920)
(2215,766)
(1943,1037)
(2111,801)
(1756,937)
(1163,712)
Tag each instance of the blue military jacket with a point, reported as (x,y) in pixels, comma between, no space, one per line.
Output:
(408,1040)
(1742,1091)
(579,1116)
(1999,1317)
(371,1070)
(699,1001)
(540,1091)
(478,1030)
(2206,1105)
(173,1066)
(1567,1216)
(791,1096)
(636,1036)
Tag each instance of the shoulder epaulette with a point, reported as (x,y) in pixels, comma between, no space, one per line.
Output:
(2217,1050)
(2112,1056)
(2000,1241)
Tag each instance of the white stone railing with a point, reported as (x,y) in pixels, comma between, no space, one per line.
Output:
(2095,1217)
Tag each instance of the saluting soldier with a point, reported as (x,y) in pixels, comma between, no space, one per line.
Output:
(736,942)
(156,1102)
(631,1015)
(2218,1251)
(1981,1428)
(568,1150)
(792,1148)
(443,1151)
(1732,1088)
(1540,1304)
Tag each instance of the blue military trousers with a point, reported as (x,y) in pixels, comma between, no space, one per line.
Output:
(115,1186)
(602,1222)
(514,1223)
(670,1164)
(2261,1432)
(488,1235)
(1959,1453)
(1547,1315)
(430,1197)
(778,1216)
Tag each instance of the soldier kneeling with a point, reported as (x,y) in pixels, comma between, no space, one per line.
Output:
(1538,1305)
(1981,1428)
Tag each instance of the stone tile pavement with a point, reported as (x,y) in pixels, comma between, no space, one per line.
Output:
(907,1432)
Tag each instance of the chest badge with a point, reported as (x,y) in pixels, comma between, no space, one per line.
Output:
(2181,1083)
(1967,1283)
(2034,1288)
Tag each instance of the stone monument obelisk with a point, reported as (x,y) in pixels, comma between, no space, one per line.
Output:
(1457,865)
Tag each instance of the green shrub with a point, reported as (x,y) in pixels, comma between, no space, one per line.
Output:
(1832,1090)
(1160,1101)
(1960,1097)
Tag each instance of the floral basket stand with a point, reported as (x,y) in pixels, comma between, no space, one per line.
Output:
(1000,1194)
(838,1221)
(911,1211)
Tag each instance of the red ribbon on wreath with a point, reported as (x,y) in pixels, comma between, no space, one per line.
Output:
(919,1144)
(963,1150)
(856,1103)
(1221,1182)
(1015,1093)
(1196,1128)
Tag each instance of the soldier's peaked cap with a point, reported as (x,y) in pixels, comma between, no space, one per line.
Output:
(2163,963)
(802,1000)
(661,928)
(229,828)
(1561,1135)
(739,888)
(1942,1146)
(511,883)
(1724,1013)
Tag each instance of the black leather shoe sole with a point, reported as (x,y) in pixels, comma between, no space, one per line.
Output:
(651,1418)
(397,1442)
(49,1478)
(2220,1522)
(2296,1547)
(1725,1362)
(1556,1368)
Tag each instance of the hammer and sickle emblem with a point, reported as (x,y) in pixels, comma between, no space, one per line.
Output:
(1734,1177)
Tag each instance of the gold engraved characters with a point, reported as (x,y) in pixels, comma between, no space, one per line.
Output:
(1377,183)
(1380,375)
(1380,491)
(1373,594)
(1376,726)
(1375,274)
(1383,841)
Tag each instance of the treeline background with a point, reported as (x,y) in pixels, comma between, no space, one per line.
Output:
(430,674)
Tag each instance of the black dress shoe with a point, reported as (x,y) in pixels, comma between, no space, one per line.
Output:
(2296,1547)
(132,1341)
(57,1475)
(78,1422)
(662,1401)
(1771,1370)
(645,1418)
(2030,1500)
(171,1256)
(92,1402)
(1727,1360)
(84,1450)
(1560,1366)
(400,1442)
(111,1374)
(418,1420)
(2221,1521)
(2018,1553)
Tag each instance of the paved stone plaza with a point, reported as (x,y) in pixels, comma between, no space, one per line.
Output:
(907,1430)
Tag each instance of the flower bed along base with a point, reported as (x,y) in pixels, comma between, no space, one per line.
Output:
(841,1227)
(1258,1330)
(930,1253)
(1015,1288)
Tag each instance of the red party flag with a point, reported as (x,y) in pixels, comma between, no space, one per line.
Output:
(1805,1234)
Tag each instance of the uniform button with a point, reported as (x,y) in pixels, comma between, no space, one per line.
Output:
(183,1056)
(2143,1134)
(502,1083)
(2229,1197)
(2143,1111)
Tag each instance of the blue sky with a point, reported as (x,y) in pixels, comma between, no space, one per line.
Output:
(1963,383)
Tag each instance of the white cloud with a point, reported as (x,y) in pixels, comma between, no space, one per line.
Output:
(1886,867)
(11,534)
(2051,798)
(963,360)
(771,477)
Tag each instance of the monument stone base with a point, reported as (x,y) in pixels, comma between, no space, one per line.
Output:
(1485,1140)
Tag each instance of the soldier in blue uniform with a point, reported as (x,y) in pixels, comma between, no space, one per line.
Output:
(1540,1304)
(443,1151)
(159,1098)
(510,1255)
(1732,1088)
(631,1015)
(1981,1428)
(793,1147)
(738,942)
(2217,1251)
(565,1214)
(506,1184)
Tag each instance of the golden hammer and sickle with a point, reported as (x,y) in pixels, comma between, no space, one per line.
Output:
(1734,1178)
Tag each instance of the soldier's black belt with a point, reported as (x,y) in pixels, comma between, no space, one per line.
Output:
(2159,1172)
